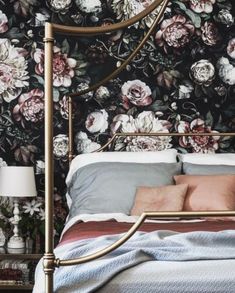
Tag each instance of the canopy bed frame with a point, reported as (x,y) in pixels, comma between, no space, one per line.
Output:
(49,260)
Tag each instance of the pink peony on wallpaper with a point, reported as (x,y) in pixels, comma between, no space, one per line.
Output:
(182,80)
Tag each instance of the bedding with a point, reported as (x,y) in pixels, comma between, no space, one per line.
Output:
(168,247)
(162,198)
(208,159)
(109,188)
(196,169)
(165,156)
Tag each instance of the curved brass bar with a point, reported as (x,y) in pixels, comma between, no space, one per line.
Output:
(107,144)
(88,31)
(127,61)
(134,228)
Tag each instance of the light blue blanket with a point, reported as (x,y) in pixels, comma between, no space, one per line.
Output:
(142,247)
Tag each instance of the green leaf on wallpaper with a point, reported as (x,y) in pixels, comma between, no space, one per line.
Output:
(182,150)
(132,111)
(65,46)
(56,95)
(195,18)
(158,105)
(180,4)
(39,78)
(209,119)
(14,33)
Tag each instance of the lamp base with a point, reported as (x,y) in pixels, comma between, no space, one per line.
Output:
(16,242)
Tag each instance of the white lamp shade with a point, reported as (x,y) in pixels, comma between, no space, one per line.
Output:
(17,181)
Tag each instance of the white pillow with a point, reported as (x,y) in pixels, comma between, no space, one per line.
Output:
(166,156)
(208,159)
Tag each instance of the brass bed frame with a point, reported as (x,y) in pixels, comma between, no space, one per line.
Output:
(49,260)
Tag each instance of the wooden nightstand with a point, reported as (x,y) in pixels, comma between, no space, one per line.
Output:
(32,258)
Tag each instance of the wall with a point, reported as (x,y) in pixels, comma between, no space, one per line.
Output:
(182,80)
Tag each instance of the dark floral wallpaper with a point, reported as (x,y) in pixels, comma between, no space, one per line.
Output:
(182,80)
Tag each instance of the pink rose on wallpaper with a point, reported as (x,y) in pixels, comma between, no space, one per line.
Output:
(135,92)
(231,48)
(200,6)
(30,107)
(210,33)
(198,144)
(3,22)
(174,32)
(63,67)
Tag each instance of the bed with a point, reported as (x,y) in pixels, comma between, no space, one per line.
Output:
(97,252)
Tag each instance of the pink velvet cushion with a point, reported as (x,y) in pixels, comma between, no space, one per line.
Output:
(208,192)
(161,198)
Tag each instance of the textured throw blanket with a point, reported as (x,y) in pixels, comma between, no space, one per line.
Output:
(142,247)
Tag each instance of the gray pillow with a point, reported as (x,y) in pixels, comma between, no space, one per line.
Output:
(197,169)
(110,187)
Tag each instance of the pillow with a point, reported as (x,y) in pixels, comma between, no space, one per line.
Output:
(208,159)
(166,156)
(110,187)
(208,192)
(162,198)
(196,169)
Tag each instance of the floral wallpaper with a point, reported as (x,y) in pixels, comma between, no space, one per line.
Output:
(183,79)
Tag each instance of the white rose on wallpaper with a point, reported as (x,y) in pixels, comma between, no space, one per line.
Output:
(89,6)
(135,92)
(97,121)
(60,146)
(3,22)
(231,48)
(2,163)
(200,6)
(184,91)
(60,5)
(226,71)
(63,67)
(126,9)
(102,93)
(146,121)
(84,144)
(13,70)
(224,16)
(147,143)
(202,72)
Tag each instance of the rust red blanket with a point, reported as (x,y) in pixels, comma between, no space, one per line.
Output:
(86,230)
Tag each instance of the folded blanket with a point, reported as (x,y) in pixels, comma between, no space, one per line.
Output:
(158,245)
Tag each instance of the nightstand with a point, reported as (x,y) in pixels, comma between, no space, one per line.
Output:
(32,259)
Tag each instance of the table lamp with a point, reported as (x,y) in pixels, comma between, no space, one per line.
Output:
(17,182)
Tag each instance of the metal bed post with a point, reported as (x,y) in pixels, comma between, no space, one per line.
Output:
(48,259)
